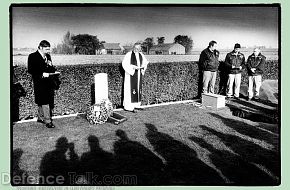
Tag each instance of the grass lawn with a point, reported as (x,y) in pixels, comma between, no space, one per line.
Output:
(167,145)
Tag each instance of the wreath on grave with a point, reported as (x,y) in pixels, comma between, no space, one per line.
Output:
(100,112)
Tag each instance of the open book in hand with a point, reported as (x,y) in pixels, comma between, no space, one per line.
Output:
(55,73)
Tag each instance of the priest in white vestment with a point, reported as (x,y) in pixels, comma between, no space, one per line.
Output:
(134,64)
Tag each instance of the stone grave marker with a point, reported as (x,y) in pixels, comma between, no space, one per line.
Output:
(214,101)
(101,92)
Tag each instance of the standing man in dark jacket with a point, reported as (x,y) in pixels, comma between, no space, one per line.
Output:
(255,66)
(209,63)
(234,62)
(40,67)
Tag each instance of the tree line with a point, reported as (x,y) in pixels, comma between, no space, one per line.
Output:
(78,44)
(88,44)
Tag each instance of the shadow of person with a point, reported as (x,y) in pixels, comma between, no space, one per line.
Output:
(55,167)
(183,167)
(261,106)
(237,170)
(267,133)
(266,160)
(19,176)
(135,159)
(96,162)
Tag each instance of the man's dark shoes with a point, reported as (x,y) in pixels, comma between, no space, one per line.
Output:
(49,125)
(256,98)
(139,108)
(133,111)
(40,121)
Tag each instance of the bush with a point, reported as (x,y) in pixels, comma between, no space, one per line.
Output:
(163,82)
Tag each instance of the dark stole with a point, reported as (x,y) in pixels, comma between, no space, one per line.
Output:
(135,96)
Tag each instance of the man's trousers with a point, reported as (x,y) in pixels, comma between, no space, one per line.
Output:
(44,113)
(254,86)
(209,78)
(234,79)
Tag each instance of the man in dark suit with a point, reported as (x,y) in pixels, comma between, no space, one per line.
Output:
(40,67)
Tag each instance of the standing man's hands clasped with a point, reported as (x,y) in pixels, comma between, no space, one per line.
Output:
(253,70)
(45,75)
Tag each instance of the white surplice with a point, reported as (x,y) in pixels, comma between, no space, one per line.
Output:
(130,71)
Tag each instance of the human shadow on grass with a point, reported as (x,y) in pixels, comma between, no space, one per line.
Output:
(183,167)
(96,162)
(19,176)
(56,168)
(134,159)
(250,153)
(259,107)
(259,132)
(237,170)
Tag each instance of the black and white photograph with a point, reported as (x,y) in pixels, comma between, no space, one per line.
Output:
(145,94)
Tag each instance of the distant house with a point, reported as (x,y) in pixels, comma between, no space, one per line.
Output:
(110,48)
(167,49)
(260,47)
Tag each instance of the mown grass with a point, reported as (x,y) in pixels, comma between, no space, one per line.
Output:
(168,145)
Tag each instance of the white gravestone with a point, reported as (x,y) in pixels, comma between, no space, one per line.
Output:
(214,101)
(101,87)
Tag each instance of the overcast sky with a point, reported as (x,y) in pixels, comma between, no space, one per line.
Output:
(227,25)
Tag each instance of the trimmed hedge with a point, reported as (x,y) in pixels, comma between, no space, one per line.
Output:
(163,82)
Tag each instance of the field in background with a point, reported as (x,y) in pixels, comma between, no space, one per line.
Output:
(271,54)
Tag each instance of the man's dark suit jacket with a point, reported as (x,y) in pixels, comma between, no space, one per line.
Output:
(43,88)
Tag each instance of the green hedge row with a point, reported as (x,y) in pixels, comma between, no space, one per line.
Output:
(163,82)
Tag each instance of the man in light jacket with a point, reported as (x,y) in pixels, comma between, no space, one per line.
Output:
(255,66)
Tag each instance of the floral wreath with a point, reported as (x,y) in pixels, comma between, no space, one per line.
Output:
(100,112)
